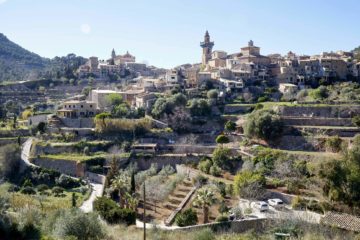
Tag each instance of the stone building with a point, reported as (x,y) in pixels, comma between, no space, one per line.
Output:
(76,109)
(207,46)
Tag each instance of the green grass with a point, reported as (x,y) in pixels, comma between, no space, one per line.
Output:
(44,202)
(74,156)
(89,143)
(81,157)
(312,154)
(268,105)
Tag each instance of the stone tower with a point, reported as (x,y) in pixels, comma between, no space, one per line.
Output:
(113,54)
(207,46)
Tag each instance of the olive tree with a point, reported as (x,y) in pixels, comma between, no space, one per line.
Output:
(263,124)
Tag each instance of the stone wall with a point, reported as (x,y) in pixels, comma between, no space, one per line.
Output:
(319,111)
(341,132)
(144,163)
(289,142)
(345,122)
(232,109)
(233,226)
(78,122)
(63,166)
(5,141)
(14,133)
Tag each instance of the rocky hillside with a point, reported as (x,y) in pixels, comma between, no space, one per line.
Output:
(18,64)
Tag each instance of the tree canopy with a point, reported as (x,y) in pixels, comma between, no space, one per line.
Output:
(263,124)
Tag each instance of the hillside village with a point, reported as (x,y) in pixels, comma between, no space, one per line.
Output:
(238,142)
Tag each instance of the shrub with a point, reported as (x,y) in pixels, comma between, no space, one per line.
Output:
(259,106)
(86,151)
(186,218)
(230,189)
(67,182)
(263,124)
(167,170)
(221,156)
(28,190)
(13,188)
(215,170)
(27,183)
(223,208)
(298,203)
(292,186)
(222,139)
(212,94)
(75,224)
(319,93)
(9,160)
(118,215)
(199,107)
(222,218)
(112,213)
(57,190)
(122,125)
(205,166)
(230,126)
(333,143)
(42,187)
(356,120)
(315,206)
(200,180)
(204,234)
(263,99)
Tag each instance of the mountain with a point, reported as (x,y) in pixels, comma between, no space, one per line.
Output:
(19,64)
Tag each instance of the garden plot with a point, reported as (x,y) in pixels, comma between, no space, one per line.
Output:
(163,196)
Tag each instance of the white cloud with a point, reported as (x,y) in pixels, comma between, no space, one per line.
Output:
(85,28)
(2,1)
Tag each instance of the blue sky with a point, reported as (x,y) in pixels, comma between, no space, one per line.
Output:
(167,33)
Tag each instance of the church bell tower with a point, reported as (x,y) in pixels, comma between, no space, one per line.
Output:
(207,46)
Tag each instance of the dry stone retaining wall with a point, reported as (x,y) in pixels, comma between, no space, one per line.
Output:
(319,111)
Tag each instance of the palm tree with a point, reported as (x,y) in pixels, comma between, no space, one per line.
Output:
(121,183)
(204,199)
(131,201)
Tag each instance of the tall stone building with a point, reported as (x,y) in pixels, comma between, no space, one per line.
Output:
(207,46)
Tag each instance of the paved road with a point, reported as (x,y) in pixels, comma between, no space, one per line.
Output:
(25,151)
(96,191)
(96,188)
(285,213)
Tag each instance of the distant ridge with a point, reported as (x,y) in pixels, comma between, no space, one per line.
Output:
(17,63)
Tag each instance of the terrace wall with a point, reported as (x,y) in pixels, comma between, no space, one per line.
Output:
(233,227)
(144,163)
(78,122)
(306,121)
(232,109)
(68,167)
(319,111)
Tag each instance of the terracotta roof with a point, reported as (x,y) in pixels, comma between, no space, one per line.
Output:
(342,220)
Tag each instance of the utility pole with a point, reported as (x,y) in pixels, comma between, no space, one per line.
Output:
(144,214)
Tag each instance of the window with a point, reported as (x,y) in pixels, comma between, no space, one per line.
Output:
(90,105)
(82,106)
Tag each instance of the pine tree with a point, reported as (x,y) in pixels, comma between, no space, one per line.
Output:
(133,186)
(73,200)
(114,168)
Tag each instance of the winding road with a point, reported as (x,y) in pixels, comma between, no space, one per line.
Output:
(96,191)
(96,188)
